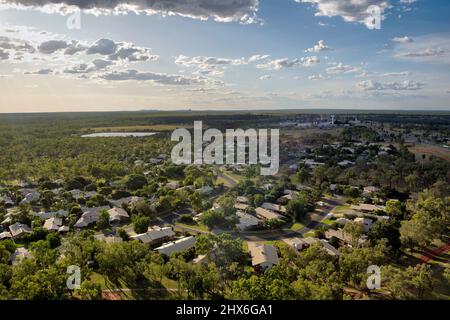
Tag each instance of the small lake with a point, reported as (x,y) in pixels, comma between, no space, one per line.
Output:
(118,134)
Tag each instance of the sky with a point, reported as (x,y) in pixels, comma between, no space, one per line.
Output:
(98,55)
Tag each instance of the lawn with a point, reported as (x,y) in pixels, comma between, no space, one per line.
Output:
(297,226)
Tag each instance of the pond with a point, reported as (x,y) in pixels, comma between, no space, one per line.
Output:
(118,134)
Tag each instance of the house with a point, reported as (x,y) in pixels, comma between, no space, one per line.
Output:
(267,214)
(173,185)
(341,236)
(30,197)
(274,207)
(63,229)
(117,215)
(332,251)
(5,235)
(176,246)
(76,194)
(52,214)
(333,187)
(155,235)
(370,189)
(108,239)
(263,255)
(8,203)
(285,199)
(241,206)
(53,224)
(242,199)
(345,163)
(367,223)
(246,221)
(365,207)
(19,229)
(342,221)
(89,216)
(206,190)
(301,243)
(127,201)
(19,255)
(201,258)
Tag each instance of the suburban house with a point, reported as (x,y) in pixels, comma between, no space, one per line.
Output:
(366,207)
(53,224)
(242,199)
(246,221)
(263,255)
(176,246)
(241,206)
(19,255)
(8,203)
(155,235)
(117,215)
(127,201)
(370,189)
(89,216)
(206,190)
(108,239)
(267,214)
(274,207)
(52,214)
(367,223)
(5,235)
(341,236)
(19,229)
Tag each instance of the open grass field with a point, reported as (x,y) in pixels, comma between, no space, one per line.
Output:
(430,150)
(140,128)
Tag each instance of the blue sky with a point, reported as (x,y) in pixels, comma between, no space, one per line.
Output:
(220,54)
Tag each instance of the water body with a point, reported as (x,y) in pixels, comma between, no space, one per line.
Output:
(118,134)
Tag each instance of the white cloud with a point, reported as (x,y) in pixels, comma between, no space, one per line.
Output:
(41,72)
(404,39)
(265,77)
(320,46)
(51,46)
(158,78)
(316,77)
(341,68)
(433,48)
(349,10)
(243,11)
(278,64)
(369,85)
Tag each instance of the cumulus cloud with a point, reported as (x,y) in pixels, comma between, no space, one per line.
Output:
(96,65)
(404,39)
(432,48)
(370,85)
(316,77)
(243,11)
(207,62)
(319,46)
(349,10)
(258,57)
(40,72)
(3,55)
(278,64)
(159,78)
(265,77)
(341,68)
(51,46)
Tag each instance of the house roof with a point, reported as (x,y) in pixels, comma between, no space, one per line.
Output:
(241,206)
(5,235)
(366,207)
(242,199)
(18,229)
(19,255)
(89,216)
(267,214)
(176,246)
(116,214)
(154,234)
(263,254)
(273,207)
(107,239)
(246,220)
(53,224)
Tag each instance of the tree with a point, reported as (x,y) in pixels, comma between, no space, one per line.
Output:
(410,283)
(355,231)
(298,207)
(395,209)
(135,182)
(141,224)
(103,219)
(387,229)
(90,290)
(430,220)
